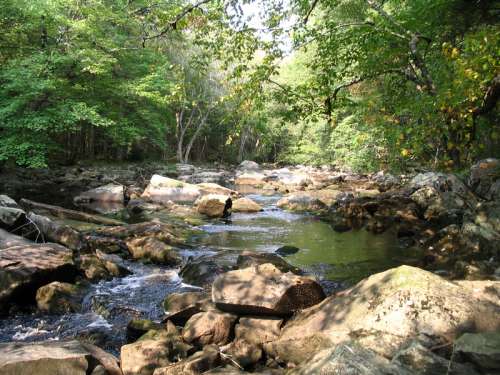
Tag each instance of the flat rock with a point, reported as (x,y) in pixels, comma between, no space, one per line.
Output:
(182,306)
(54,358)
(264,290)
(154,250)
(59,298)
(26,267)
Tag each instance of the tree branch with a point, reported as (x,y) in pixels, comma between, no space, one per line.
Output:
(309,12)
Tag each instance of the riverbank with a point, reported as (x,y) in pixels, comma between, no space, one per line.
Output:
(335,226)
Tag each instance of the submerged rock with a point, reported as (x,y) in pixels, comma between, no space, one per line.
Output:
(251,258)
(287,250)
(264,290)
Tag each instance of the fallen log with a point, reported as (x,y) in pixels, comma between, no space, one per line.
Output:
(65,213)
(55,232)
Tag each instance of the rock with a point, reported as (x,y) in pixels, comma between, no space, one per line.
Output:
(296,350)
(154,250)
(440,206)
(246,205)
(349,359)
(302,201)
(107,361)
(243,353)
(287,250)
(440,181)
(248,165)
(211,188)
(6,201)
(113,264)
(401,302)
(292,179)
(59,298)
(138,327)
(184,169)
(208,177)
(210,327)
(182,306)
(251,258)
(385,180)
(481,348)
(213,205)
(258,330)
(106,193)
(53,358)
(143,356)
(11,217)
(198,363)
(483,175)
(26,267)
(93,268)
(254,179)
(201,272)
(264,290)
(163,189)
(422,361)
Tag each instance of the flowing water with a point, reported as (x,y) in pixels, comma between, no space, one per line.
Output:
(336,259)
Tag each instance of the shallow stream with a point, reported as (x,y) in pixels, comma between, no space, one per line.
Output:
(337,259)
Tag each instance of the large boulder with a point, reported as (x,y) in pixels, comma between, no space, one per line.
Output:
(349,359)
(163,189)
(302,201)
(484,175)
(399,303)
(154,250)
(248,165)
(214,205)
(25,266)
(254,179)
(210,327)
(264,290)
(246,205)
(54,358)
(440,181)
(211,188)
(106,193)
(59,298)
(143,356)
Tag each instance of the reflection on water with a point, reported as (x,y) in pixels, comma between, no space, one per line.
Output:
(324,252)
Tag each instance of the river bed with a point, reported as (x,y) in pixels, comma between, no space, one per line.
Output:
(336,259)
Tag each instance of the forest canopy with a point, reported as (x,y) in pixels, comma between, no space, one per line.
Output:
(366,84)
